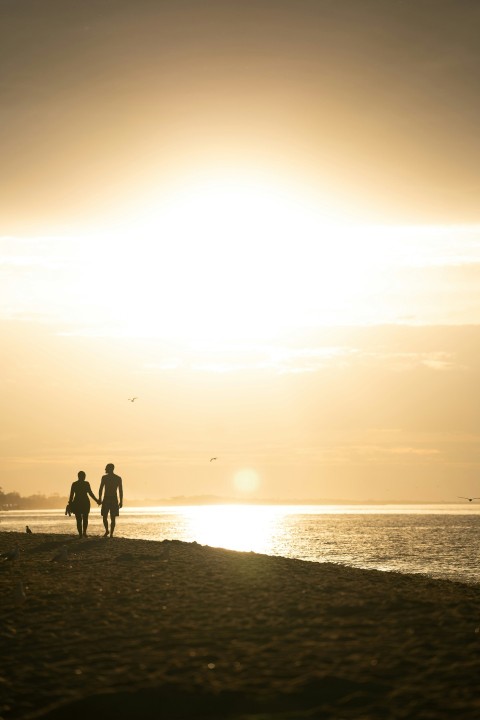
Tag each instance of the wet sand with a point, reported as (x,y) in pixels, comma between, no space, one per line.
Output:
(140,629)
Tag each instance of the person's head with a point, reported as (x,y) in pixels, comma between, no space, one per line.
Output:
(81,475)
(110,468)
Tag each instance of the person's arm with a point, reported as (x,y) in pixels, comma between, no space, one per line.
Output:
(120,492)
(89,491)
(102,485)
(72,492)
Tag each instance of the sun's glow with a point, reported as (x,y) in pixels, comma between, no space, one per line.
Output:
(224,260)
(227,262)
(246,481)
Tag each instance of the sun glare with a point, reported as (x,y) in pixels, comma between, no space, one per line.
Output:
(246,481)
(229,260)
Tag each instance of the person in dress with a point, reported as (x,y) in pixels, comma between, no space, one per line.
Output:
(79,503)
(111,489)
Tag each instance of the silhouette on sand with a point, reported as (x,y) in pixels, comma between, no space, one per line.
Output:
(79,504)
(111,489)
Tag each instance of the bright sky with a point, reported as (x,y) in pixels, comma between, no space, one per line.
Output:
(259,218)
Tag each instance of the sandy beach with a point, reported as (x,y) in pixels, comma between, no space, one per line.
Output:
(131,628)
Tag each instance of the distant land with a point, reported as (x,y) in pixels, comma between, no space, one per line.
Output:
(15,501)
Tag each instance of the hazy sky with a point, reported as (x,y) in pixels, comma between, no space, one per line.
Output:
(259,217)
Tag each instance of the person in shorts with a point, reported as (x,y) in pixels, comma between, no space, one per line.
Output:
(111,490)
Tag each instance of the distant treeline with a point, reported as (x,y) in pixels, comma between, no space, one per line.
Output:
(14,501)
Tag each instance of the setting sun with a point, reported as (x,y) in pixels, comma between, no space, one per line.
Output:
(227,259)
(246,481)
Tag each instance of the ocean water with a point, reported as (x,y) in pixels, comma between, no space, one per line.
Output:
(441,541)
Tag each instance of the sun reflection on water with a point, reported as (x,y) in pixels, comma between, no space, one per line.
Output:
(235,527)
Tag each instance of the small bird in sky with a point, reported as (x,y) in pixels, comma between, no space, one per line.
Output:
(467,498)
(133,399)
(10,554)
(214,458)
(28,531)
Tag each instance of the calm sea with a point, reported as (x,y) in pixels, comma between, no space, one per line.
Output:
(441,541)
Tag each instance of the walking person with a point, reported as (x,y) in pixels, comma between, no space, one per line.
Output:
(79,504)
(112,490)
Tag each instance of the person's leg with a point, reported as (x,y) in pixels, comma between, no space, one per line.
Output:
(85,524)
(105,524)
(78,518)
(112,523)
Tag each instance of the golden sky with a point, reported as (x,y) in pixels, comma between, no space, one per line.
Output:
(259,217)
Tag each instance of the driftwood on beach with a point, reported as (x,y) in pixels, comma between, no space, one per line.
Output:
(131,628)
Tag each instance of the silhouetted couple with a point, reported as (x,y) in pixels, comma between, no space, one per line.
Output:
(112,490)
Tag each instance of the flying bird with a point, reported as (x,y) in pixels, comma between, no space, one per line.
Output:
(213,459)
(467,498)
(28,531)
(133,399)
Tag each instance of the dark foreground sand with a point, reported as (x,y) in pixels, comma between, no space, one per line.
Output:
(121,630)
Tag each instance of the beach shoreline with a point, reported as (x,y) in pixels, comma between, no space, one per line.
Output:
(136,628)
